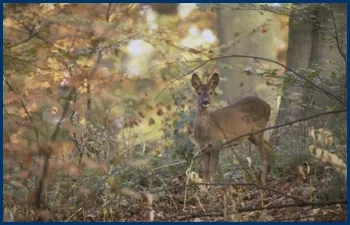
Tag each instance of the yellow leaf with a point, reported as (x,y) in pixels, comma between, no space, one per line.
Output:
(312,132)
(8,22)
(17,184)
(329,158)
(130,193)
(22,113)
(54,110)
(33,107)
(301,172)
(82,90)
(62,5)
(249,162)
(82,122)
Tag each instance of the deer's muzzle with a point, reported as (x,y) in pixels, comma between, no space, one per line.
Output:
(205,104)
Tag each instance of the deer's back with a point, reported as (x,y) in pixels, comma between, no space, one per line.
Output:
(246,115)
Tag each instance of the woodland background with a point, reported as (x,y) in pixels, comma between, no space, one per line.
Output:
(98,111)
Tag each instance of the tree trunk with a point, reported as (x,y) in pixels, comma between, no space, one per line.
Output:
(237,26)
(312,46)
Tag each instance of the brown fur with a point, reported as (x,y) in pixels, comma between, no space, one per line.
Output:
(247,115)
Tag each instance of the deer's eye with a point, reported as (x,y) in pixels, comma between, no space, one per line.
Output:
(199,93)
(211,93)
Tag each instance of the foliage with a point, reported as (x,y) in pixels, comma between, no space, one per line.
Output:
(69,86)
(98,117)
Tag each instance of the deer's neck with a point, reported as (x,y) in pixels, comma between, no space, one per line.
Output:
(202,126)
(203,112)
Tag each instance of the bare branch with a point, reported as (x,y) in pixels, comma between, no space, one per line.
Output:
(338,98)
(25,110)
(185,216)
(178,78)
(292,205)
(283,125)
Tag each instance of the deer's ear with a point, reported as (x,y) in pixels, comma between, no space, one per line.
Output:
(214,81)
(195,81)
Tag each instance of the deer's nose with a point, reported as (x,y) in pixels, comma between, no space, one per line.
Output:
(205,103)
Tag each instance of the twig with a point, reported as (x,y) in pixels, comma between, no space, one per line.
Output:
(292,205)
(336,37)
(108,11)
(200,203)
(338,98)
(187,182)
(291,70)
(235,185)
(21,42)
(180,77)
(171,196)
(47,154)
(168,165)
(298,218)
(239,210)
(25,110)
(73,214)
(224,48)
(283,125)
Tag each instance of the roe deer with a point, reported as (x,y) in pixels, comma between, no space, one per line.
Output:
(247,115)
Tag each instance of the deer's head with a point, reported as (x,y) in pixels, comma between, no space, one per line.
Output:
(205,92)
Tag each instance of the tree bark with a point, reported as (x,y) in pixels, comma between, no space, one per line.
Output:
(238,26)
(312,45)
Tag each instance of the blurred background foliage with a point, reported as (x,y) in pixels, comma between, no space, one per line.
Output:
(99,108)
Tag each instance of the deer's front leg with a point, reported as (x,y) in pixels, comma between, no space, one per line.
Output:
(206,166)
(214,162)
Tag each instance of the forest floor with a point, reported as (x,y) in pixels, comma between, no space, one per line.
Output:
(221,202)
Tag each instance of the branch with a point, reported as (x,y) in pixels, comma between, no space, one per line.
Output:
(10,116)
(47,154)
(25,110)
(318,217)
(36,34)
(237,185)
(178,78)
(239,210)
(339,99)
(283,125)
(292,205)
(21,42)
(336,37)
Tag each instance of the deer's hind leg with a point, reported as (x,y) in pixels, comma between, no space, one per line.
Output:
(258,140)
(268,148)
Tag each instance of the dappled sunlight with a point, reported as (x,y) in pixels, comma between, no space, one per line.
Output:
(174,112)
